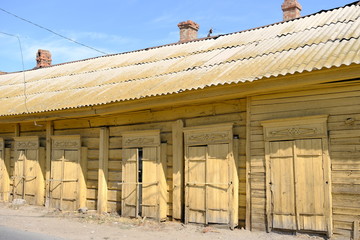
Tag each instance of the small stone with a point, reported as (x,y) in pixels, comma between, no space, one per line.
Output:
(83,210)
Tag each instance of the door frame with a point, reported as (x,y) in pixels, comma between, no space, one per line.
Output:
(208,135)
(143,139)
(310,127)
(31,143)
(70,142)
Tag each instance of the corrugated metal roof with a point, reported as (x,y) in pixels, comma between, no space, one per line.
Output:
(322,40)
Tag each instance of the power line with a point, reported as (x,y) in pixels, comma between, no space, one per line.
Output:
(23,67)
(51,31)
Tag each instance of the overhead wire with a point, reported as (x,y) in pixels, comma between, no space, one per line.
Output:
(53,32)
(23,67)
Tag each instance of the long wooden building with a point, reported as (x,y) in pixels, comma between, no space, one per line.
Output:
(258,128)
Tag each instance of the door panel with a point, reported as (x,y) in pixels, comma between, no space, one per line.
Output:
(150,183)
(129,189)
(310,185)
(70,180)
(30,175)
(217,191)
(196,184)
(282,185)
(19,174)
(64,179)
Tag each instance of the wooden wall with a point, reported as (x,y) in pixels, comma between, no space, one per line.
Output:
(89,129)
(341,103)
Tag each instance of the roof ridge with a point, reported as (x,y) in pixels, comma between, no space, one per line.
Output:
(195,40)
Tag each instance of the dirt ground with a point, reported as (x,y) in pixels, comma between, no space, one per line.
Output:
(88,226)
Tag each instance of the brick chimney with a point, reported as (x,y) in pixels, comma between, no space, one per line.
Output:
(291,9)
(188,30)
(43,58)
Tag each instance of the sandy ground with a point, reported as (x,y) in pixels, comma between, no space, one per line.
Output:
(79,226)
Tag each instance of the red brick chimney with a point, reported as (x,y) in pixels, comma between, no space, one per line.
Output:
(43,58)
(291,9)
(188,30)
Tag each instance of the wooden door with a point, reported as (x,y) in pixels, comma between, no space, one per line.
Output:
(64,179)
(130,179)
(297,184)
(150,183)
(25,173)
(310,185)
(196,184)
(218,184)
(282,185)
(208,184)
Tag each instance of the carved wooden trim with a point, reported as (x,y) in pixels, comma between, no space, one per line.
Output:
(295,128)
(210,134)
(66,142)
(141,138)
(26,143)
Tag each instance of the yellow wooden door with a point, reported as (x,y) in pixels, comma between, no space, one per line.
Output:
(129,204)
(18,177)
(25,175)
(150,184)
(310,185)
(64,179)
(218,184)
(196,184)
(208,184)
(298,185)
(282,185)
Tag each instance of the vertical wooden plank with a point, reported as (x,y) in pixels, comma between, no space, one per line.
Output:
(247,166)
(17,130)
(129,201)
(103,170)
(234,204)
(150,183)
(40,184)
(6,176)
(82,176)
(162,182)
(49,133)
(268,188)
(356,230)
(178,169)
(328,186)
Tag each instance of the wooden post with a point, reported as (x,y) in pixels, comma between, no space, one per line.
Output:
(162,183)
(247,167)
(103,170)
(49,133)
(40,185)
(235,179)
(356,230)
(6,176)
(178,169)
(82,178)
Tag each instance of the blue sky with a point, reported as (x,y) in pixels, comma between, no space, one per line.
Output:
(115,26)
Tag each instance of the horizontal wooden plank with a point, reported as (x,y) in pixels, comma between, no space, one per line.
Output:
(237,118)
